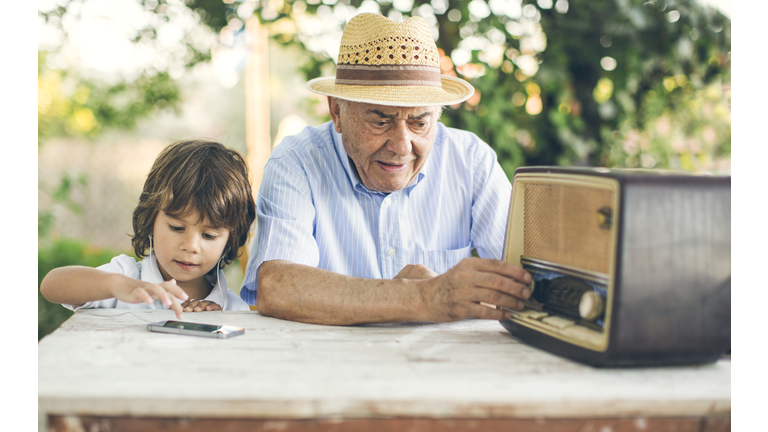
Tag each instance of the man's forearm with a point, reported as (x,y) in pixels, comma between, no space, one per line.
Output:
(302,293)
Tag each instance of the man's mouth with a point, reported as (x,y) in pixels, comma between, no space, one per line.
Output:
(391,167)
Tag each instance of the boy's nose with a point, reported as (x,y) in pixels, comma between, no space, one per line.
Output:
(191,244)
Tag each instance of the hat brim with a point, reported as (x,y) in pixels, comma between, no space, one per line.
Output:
(454,90)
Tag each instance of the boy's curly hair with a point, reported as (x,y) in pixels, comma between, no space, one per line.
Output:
(202,177)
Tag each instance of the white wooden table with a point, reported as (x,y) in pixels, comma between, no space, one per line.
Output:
(103,367)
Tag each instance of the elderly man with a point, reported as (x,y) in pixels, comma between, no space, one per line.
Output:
(372,216)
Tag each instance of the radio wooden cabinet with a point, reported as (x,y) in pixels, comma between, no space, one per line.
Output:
(630,267)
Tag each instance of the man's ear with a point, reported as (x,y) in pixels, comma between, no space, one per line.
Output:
(335,109)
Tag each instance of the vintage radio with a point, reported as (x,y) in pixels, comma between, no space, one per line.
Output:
(630,267)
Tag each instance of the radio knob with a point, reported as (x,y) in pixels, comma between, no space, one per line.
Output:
(590,306)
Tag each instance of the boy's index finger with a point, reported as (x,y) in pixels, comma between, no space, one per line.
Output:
(176,307)
(176,290)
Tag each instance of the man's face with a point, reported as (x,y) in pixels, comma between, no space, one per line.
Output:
(388,145)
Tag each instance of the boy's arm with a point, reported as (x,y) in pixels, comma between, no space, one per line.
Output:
(78,284)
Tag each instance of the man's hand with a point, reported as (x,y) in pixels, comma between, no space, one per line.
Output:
(415,271)
(193,305)
(167,292)
(457,294)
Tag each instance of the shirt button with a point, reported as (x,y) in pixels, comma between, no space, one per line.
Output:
(391,252)
(387,200)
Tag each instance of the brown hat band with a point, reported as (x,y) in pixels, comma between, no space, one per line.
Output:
(388,75)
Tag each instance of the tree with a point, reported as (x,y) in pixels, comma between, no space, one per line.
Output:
(622,83)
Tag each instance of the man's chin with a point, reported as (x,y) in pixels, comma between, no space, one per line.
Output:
(389,187)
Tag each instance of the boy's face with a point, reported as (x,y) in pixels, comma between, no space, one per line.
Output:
(186,250)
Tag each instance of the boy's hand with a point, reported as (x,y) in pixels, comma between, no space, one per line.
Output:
(193,305)
(167,292)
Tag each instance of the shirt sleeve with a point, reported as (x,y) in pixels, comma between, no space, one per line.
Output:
(491,196)
(285,215)
(234,303)
(122,264)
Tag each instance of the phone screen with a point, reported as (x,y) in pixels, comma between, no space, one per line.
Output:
(196,329)
(209,328)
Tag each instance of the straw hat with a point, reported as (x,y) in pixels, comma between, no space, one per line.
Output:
(384,62)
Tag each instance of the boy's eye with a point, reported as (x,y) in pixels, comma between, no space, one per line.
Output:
(176,228)
(209,236)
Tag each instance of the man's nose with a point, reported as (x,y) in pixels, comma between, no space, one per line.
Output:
(400,140)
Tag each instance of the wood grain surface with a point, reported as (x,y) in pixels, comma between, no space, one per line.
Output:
(104,363)
(130,424)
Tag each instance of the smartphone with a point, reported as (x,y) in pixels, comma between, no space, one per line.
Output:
(196,329)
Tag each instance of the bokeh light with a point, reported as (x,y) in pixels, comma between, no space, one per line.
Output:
(608,63)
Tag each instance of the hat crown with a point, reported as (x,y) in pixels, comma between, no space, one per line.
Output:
(375,40)
(384,62)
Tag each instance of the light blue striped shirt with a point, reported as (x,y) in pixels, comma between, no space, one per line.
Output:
(313,210)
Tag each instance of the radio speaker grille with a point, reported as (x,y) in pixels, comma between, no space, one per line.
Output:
(563,225)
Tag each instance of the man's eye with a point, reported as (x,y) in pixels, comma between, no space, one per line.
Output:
(380,124)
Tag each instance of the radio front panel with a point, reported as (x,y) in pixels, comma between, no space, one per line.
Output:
(562,230)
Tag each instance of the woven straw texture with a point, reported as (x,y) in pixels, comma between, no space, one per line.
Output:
(372,40)
(375,40)
(454,91)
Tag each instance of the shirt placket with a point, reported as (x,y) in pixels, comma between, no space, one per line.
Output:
(390,243)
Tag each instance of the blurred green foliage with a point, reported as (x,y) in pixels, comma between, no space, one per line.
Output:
(59,253)
(617,83)
(69,104)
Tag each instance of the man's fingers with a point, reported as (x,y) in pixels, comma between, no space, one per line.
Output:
(499,267)
(497,298)
(415,271)
(503,284)
(485,312)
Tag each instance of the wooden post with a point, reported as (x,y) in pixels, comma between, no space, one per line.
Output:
(257,134)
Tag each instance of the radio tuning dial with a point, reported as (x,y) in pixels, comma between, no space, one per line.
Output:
(590,306)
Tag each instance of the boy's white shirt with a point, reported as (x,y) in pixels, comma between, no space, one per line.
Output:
(148,271)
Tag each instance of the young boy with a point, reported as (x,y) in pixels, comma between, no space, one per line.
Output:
(193,216)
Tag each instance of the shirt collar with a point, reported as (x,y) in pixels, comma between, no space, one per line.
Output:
(352,172)
(338,144)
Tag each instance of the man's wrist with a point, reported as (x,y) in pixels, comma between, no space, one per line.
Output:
(424,292)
